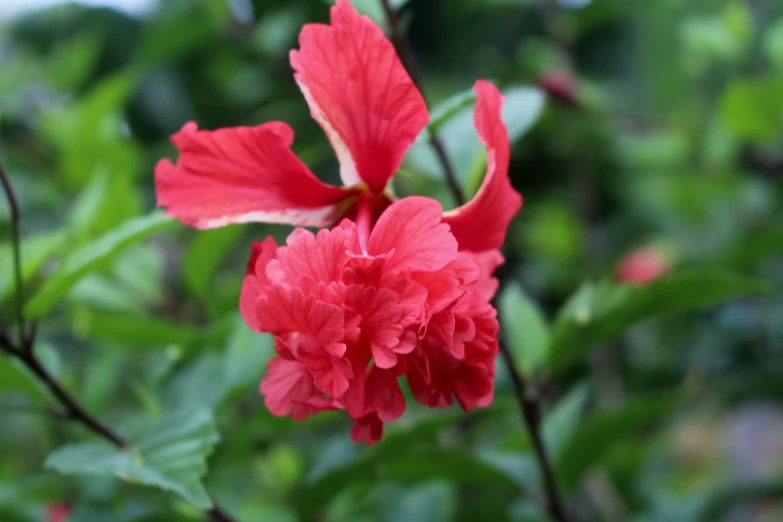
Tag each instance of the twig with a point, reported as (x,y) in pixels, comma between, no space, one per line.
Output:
(13,206)
(405,52)
(25,353)
(531,414)
(72,407)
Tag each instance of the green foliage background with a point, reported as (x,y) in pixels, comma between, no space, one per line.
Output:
(660,403)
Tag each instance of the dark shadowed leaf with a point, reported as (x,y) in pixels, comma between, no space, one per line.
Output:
(592,439)
(600,311)
(204,256)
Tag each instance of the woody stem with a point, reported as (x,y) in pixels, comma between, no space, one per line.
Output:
(530,409)
(14,211)
(405,52)
(24,351)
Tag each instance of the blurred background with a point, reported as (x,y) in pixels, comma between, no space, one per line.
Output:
(635,125)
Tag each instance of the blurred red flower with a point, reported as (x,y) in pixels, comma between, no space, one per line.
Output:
(57,512)
(642,266)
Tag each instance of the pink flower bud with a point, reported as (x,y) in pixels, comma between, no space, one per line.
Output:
(560,85)
(57,512)
(642,266)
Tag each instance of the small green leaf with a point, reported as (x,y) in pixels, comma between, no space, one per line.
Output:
(16,379)
(204,256)
(522,107)
(527,332)
(773,45)
(92,256)
(592,439)
(599,312)
(171,455)
(449,108)
(429,502)
(246,357)
(456,466)
(562,421)
(133,330)
(752,108)
(35,251)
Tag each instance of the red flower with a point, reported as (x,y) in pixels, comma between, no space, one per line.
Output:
(352,313)
(57,512)
(394,288)
(642,266)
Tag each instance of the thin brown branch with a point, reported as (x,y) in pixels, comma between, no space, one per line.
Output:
(72,407)
(405,52)
(13,206)
(531,415)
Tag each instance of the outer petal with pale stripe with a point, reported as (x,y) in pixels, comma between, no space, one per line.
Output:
(360,93)
(481,223)
(240,175)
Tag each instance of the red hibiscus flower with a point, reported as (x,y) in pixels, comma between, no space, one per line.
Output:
(395,287)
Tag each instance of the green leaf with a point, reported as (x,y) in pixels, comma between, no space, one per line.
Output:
(89,137)
(92,256)
(593,439)
(204,256)
(599,312)
(133,330)
(15,378)
(429,502)
(527,332)
(35,251)
(246,357)
(562,421)
(449,108)
(752,108)
(773,45)
(521,110)
(171,455)
(456,466)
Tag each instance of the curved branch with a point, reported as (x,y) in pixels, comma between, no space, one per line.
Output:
(405,52)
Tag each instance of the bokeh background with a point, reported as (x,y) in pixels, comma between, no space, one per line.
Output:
(652,124)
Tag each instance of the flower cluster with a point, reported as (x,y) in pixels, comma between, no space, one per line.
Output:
(392,287)
(351,314)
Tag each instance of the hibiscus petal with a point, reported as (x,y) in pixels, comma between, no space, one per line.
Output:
(262,252)
(320,257)
(286,383)
(412,236)
(384,395)
(481,223)
(241,175)
(368,429)
(360,93)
